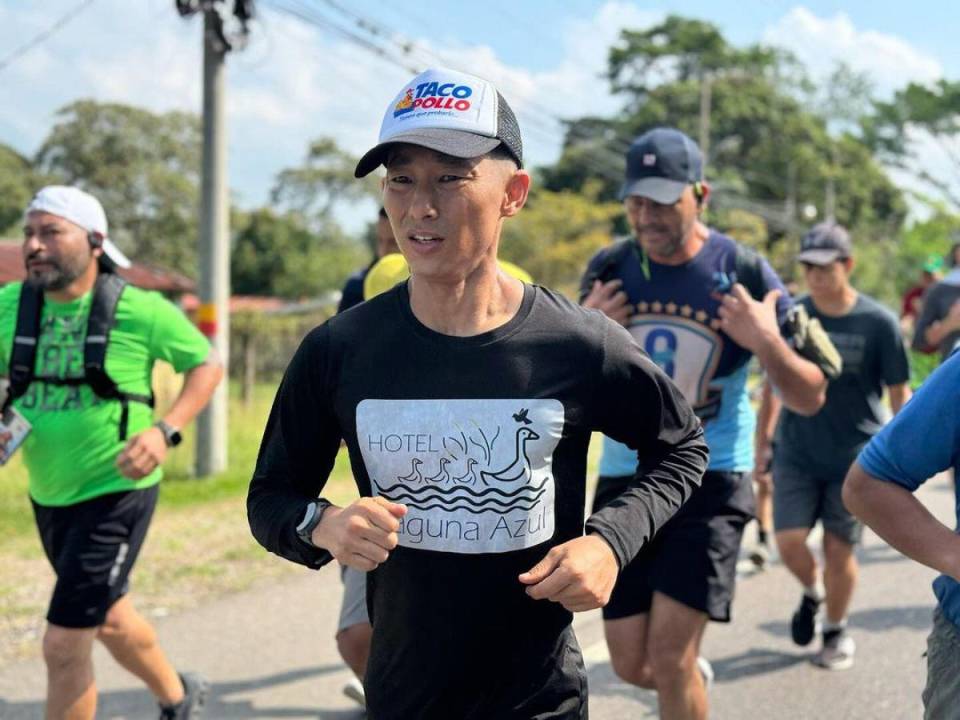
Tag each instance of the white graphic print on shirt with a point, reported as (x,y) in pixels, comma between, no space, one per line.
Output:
(475,475)
(666,338)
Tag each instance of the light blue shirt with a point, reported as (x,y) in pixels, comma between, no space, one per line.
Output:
(729,435)
(921,441)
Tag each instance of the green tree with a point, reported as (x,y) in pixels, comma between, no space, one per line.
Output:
(933,109)
(768,153)
(277,255)
(18,183)
(143,166)
(557,233)
(326,177)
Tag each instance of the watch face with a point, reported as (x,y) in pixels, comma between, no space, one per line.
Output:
(174,438)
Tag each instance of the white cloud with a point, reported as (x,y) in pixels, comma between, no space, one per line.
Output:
(820,42)
(889,62)
(296,82)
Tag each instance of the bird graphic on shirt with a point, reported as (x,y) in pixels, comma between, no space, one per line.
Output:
(442,476)
(414,475)
(522,416)
(520,468)
(470,476)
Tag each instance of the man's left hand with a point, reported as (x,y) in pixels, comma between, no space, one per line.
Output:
(142,454)
(749,323)
(579,574)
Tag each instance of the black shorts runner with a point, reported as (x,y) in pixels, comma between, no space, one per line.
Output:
(693,559)
(92,547)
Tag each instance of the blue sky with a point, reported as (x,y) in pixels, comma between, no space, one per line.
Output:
(296,81)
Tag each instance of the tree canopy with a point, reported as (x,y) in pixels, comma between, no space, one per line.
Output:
(145,169)
(769,153)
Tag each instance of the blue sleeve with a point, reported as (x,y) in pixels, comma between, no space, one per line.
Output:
(772,281)
(923,439)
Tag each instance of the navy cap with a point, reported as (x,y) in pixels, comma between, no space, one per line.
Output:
(660,164)
(824,244)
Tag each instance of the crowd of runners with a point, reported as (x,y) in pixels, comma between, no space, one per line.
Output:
(466,396)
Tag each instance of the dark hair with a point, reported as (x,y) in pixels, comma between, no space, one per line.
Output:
(383,213)
(501,152)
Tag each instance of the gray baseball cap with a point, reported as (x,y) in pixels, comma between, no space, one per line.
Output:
(824,244)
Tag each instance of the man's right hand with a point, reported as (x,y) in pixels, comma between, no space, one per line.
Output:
(610,300)
(362,534)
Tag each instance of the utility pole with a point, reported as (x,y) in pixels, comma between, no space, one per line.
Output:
(214,311)
(830,199)
(213,315)
(706,98)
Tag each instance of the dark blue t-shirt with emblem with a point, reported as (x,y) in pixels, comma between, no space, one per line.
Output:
(676,323)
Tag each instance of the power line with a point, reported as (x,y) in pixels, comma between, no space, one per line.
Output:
(45,35)
(541,120)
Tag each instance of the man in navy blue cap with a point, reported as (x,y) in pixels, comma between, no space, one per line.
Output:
(700,305)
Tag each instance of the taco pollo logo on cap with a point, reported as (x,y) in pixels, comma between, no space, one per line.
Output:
(434,96)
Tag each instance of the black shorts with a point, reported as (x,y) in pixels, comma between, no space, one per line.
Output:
(693,559)
(92,547)
(801,496)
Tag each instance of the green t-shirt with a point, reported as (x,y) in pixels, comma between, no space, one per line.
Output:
(70,455)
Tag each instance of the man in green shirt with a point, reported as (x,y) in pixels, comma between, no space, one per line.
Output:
(94,461)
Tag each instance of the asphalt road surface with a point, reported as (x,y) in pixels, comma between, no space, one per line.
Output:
(269,652)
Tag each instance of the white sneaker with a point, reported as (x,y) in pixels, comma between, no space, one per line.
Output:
(354,690)
(706,671)
(837,652)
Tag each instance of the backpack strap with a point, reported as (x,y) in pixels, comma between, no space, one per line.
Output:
(23,354)
(611,257)
(103,314)
(748,265)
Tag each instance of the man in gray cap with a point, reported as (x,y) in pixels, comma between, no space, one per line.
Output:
(78,346)
(467,400)
(700,305)
(814,453)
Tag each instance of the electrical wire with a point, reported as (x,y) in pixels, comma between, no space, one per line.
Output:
(45,35)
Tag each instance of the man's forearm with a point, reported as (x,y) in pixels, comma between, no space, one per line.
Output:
(801,384)
(199,385)
(939,330)
(899,394)
(767,415)
(632,519)
(898,517)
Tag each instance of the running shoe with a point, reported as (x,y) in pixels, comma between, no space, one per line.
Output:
(195,691)
(354,691)
(706,671)
(837,652)
(803,625)
(760,555)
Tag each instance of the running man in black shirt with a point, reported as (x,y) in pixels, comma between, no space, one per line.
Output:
(467,399)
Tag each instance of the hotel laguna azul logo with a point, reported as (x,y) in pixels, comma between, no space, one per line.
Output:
(475,475)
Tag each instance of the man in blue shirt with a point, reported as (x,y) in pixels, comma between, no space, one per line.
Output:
(921,441)
(386,243)
(700,305)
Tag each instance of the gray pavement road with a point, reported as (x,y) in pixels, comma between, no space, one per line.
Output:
(270,652)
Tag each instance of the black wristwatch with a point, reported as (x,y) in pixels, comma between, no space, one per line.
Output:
(171,436)
(311,518)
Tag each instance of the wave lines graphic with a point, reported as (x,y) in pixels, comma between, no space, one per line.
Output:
(432,490)
(525,507)
(491,503)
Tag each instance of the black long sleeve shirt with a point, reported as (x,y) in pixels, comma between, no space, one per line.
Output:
(485,440)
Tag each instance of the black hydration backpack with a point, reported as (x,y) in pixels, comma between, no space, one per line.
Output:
(23,356)
(747,268)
